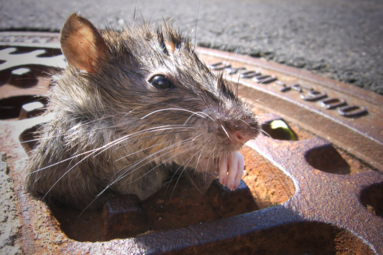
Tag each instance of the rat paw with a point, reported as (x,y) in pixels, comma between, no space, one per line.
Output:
(231,170)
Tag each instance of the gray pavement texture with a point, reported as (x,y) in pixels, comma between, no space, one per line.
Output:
(9,216)
(340,39)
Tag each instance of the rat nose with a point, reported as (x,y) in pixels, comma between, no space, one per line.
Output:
(240,137)
(242,131)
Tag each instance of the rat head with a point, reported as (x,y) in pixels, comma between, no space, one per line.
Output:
(152,89)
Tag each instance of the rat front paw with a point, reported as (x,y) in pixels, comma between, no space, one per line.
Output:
(231,170)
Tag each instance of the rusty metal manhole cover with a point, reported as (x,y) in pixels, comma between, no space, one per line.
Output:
(310,195)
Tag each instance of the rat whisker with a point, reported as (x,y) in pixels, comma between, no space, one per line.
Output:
(124,138)
(149,156)
(173,109)
(131,154)
(250,125)
(197,137)
(226,132)
(200,154)
(62,161)
(109,185)
(184,167)
(62,176)
(174,156)
(211,156)
(265,133)
(106,146)
(175,173)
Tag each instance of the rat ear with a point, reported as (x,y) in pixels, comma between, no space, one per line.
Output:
(81,43)
(170,46)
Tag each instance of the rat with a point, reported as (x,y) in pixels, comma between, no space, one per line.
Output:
(132,108)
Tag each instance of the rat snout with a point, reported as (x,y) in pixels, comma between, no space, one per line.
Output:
(240,137)
(236,125)
(242,131)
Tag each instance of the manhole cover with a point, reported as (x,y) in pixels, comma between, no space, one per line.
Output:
(312,186)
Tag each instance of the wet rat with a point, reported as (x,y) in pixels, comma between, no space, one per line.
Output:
(132,108)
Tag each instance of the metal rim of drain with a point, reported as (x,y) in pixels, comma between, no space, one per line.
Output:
(320,198)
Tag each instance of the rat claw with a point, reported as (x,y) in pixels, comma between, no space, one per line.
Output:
(222,171)
(231,170)
(241,166)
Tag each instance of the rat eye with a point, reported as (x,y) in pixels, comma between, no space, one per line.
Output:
(161,82)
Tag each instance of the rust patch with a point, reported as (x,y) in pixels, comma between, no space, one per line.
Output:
(269,186)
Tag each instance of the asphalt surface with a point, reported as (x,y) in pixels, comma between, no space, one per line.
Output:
(340,39)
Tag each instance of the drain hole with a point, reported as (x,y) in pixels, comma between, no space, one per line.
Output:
(11,107)
(327,159)
(4,75)
(28,138)
(50,53)
(47,53)
(299,238)
(278,129)
(372,199)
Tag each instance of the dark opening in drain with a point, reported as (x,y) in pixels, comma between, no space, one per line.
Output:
(10,107)
(327,159)
(48,52)
(372,199)
(4,75)
(290,239)
(28,139)
(278,129)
